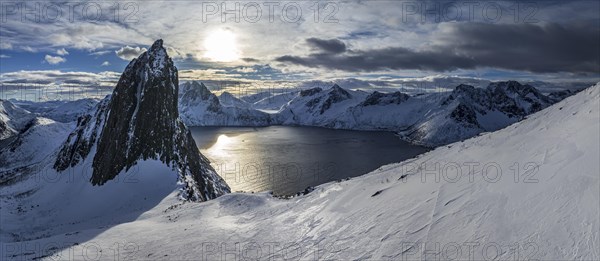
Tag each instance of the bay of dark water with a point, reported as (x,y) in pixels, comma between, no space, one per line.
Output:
(288,159)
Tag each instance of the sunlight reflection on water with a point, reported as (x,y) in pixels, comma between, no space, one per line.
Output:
(286,159)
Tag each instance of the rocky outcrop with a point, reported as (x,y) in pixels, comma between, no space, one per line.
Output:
(140,121)
(200,107)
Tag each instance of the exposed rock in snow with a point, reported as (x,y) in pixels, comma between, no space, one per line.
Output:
(318,107)
(450,203)
(139,122)
(38,139)
(377,98)
(199,107)
(431,119)
(12,119)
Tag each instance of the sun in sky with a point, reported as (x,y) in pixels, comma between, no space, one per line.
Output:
(221,46)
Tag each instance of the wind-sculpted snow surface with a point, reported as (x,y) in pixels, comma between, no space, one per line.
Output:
(526,192)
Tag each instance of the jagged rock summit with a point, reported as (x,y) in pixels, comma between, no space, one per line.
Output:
(140,121)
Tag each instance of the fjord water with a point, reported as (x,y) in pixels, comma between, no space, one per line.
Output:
(286,159)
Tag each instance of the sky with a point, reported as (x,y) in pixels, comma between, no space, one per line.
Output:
(76,47)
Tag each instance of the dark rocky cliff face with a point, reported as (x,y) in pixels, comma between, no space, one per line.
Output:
(140,121)
(378,98)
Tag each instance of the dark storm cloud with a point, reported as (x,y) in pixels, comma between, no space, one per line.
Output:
(381,59)
(327,46)
(523,47)
(250,60)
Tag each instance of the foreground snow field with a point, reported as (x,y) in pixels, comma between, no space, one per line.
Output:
(529,191)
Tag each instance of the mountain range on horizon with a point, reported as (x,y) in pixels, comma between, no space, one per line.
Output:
(152,175)
(307,130)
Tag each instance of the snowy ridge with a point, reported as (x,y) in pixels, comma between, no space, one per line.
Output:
(401,211)
(139,122)
(120,159)
(274,102)
(60,110)
(430,119)
(12,119)
(200,107)
(38,140)
(228,100)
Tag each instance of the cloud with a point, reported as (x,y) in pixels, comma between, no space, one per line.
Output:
(62,52)
(250,60)
(28,49)
(57,85)
(127,53)
(246,70)
(54,59)
(105,63)
(384,59)
(4,56)
(542,49)
(328,46)
(100,53)
(59,78)
(527,47)
(5,45)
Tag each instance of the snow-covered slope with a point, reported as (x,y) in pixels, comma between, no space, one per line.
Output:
(274,102)
(228,100)
(318,107)
(139,122)
(121,159)
(59,110)
(12,119)
(431,119)
(252,98)
(36,141)
(199,107)
(529,191)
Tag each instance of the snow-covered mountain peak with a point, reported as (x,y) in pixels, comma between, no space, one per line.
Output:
(310,92)
(378,98)
(514,89)
(198,106)
(229,100)
(155,59)
(140,121)
(538,202)
(12,119)
(194,90)
(464,88)
(340,92)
